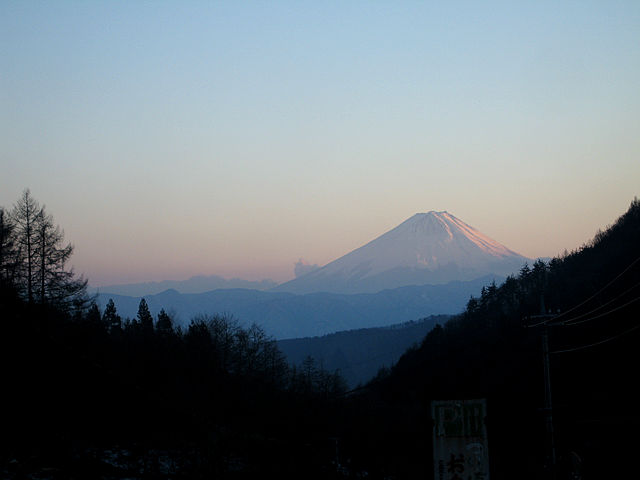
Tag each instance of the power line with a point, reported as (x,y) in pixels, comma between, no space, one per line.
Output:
(599,291)
(547,316)
(598,343)
(571,321)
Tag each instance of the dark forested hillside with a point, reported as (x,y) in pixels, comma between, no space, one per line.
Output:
(489,352)
(359,354)
(88,395)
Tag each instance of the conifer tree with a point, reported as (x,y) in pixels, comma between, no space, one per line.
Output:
(144,316)
(164,325)
(110,317)
(310,373)
(93,314)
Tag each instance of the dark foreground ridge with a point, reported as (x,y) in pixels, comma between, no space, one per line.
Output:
(90,396)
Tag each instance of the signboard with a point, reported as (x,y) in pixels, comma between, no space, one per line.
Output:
(460,440)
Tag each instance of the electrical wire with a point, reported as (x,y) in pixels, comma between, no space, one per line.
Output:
(606,340)
(543,322)
(572,321)
(599,291)
(602,314)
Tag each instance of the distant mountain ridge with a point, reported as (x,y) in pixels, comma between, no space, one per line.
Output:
(196,284)
(428,248)
(285,315)
(359,354)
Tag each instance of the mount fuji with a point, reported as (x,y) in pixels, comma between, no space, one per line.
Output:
(428,248)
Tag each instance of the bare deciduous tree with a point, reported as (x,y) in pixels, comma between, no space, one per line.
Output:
(8,250)
(42,256)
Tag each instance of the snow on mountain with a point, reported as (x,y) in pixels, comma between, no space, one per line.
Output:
(428,248)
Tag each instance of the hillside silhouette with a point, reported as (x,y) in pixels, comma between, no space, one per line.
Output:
(359,354)
(92,395)
(488,352)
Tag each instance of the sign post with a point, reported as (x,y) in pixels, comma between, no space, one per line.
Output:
(460,450)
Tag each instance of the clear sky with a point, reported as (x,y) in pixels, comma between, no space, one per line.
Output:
(171,139)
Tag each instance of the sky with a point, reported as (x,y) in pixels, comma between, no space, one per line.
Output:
(172,138)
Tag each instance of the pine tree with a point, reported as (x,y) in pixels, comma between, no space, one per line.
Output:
(110,317)
(164,325)
(310,373)
(93,314)
(144,316)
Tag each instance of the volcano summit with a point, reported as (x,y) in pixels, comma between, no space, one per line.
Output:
(428,248)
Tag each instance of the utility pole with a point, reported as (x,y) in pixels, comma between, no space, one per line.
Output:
(548,405)
(337,457)
(544,318)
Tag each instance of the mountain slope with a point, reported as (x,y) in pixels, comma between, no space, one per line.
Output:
(359,354)
(487,353)
(284,315)
(428,248)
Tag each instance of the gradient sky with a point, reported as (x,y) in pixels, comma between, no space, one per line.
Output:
(178,138)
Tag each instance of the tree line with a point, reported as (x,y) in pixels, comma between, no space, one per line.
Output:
(33,263)
(196,401)
(221,342)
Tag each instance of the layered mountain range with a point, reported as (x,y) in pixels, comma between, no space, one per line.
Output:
(285,315)
(197,284)
(428,248)
(428,265)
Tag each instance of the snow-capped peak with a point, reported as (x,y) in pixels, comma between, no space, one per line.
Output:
(433,247)
(456,230)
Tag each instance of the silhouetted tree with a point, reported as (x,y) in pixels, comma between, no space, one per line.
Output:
(144,317)
(309,372)
(25,216)
(276,367)
(42,257)
(110,317)
(164,325)
(56,284)
(198,341)
(223,331)
(8,251)
(93,314)
(472,304)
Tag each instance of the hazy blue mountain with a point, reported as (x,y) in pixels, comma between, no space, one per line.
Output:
(428,248)
(359,354)
(286,315)
(197,284)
